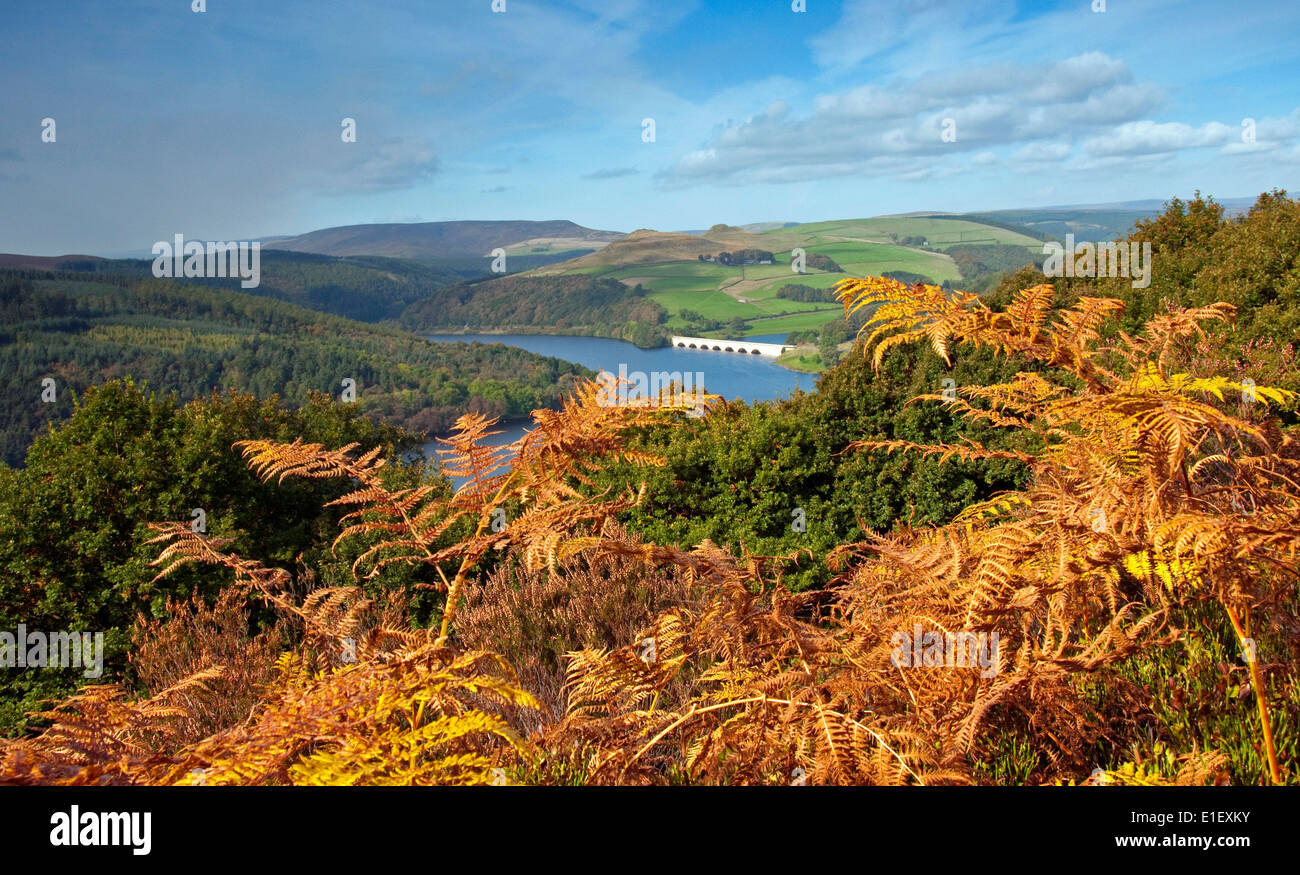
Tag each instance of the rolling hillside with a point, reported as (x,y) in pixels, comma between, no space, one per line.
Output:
(639,247)
(426,240)
(668,265)
(575,303)
(366,288)
(14,261)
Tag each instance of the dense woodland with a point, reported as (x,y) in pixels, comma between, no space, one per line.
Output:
(982,265)
(804,293)
(365,288)
(81,330)
(800,292)
(572,304)
(1105,476)
(743,256)
(817,261)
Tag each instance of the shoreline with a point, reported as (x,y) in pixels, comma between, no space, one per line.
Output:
(530,330)
(793,360)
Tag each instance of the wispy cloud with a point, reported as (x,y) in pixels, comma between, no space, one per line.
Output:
(611,173)
(906,126)
(393,163)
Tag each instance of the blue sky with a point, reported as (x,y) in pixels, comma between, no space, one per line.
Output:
(226,124)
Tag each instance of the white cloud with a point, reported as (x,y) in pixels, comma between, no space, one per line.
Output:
(1039,152)
(1078,78)
(1148,137)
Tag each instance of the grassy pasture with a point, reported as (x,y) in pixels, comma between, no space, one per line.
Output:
(678,269)
(779,306)
(798,322)
(873,259)
(710,304)
(815,280)
(669,284)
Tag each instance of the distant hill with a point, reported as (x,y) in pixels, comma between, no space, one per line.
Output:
(1093,221)
(649,247)
(367,288)
(640,247)
(756,227)
(768,226)
(1231,205)
(425,240)
(50,262)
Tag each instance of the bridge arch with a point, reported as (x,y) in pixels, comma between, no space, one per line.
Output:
(727,344)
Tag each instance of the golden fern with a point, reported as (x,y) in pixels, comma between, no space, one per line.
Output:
(1147,487)
(1114,494)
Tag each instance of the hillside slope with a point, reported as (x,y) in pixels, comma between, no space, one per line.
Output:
(573,304)
(640,247)
(469,239)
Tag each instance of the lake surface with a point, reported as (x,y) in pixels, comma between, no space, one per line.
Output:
(729,374)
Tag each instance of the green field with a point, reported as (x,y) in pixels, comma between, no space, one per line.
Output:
(873,259)
(778,306)
(710,304)
(799,322)
(701,269)
(672,283)
(814,280)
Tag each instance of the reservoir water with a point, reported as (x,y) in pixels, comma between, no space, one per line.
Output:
(729,374)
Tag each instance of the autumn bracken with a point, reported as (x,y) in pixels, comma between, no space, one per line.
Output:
(1154,492)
